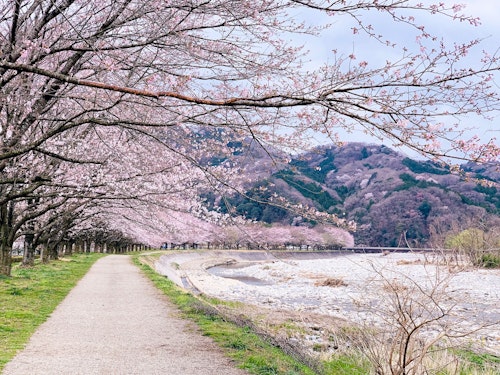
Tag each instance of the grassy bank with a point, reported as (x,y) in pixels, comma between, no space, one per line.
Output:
(249,350)
(252,347)
(29,296)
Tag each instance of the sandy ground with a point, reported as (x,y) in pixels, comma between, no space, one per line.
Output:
(352,287)
(116,322)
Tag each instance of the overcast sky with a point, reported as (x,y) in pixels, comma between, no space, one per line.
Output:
(340,37)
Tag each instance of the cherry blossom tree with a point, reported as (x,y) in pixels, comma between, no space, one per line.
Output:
(195,78)
(332,236)
(112,179)
(215,63)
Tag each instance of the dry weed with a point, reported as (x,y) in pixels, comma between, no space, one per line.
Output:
(409,262)
(394,287)
(330,281)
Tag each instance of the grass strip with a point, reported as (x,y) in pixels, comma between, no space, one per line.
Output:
(30,295)
(249,350)
(475,363)
(254,351)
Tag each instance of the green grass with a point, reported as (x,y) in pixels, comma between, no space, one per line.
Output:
(490,261)
(247,349)
(31,294)
(479,362)
(345,364)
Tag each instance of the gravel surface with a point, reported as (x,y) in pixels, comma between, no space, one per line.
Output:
(300,283)
(116,322)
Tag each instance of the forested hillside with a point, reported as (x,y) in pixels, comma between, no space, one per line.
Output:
(395,201)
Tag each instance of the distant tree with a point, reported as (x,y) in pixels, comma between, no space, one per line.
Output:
(364,153)
(424,167)
(481,248)
(425,209)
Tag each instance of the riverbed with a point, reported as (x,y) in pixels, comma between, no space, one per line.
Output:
(356,287)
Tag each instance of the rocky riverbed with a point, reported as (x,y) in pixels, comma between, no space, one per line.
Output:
(359,288)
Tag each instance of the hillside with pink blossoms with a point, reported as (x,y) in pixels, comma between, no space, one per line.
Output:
(394,200)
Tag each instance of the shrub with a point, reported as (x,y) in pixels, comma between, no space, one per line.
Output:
(477,246)
(490,260)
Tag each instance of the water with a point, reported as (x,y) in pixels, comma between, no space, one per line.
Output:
(228,272)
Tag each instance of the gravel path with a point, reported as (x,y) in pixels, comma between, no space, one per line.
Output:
(116,322)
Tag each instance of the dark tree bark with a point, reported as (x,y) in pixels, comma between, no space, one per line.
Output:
(6,238)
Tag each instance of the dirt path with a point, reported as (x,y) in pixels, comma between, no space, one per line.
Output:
(115,322)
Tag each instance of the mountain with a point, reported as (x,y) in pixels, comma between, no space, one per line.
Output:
(395,200)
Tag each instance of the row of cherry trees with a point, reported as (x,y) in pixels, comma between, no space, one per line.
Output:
(95,240)
(117,110)
(188,231)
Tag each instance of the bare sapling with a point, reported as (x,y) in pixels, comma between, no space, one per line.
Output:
(411,324)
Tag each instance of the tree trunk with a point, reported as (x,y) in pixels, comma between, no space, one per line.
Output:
(6,238)
(62,248)
(5,254)
(79,247)
(54,251)
(69,248)
(5,258)
(29,251)
(29,237)
(44,253)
